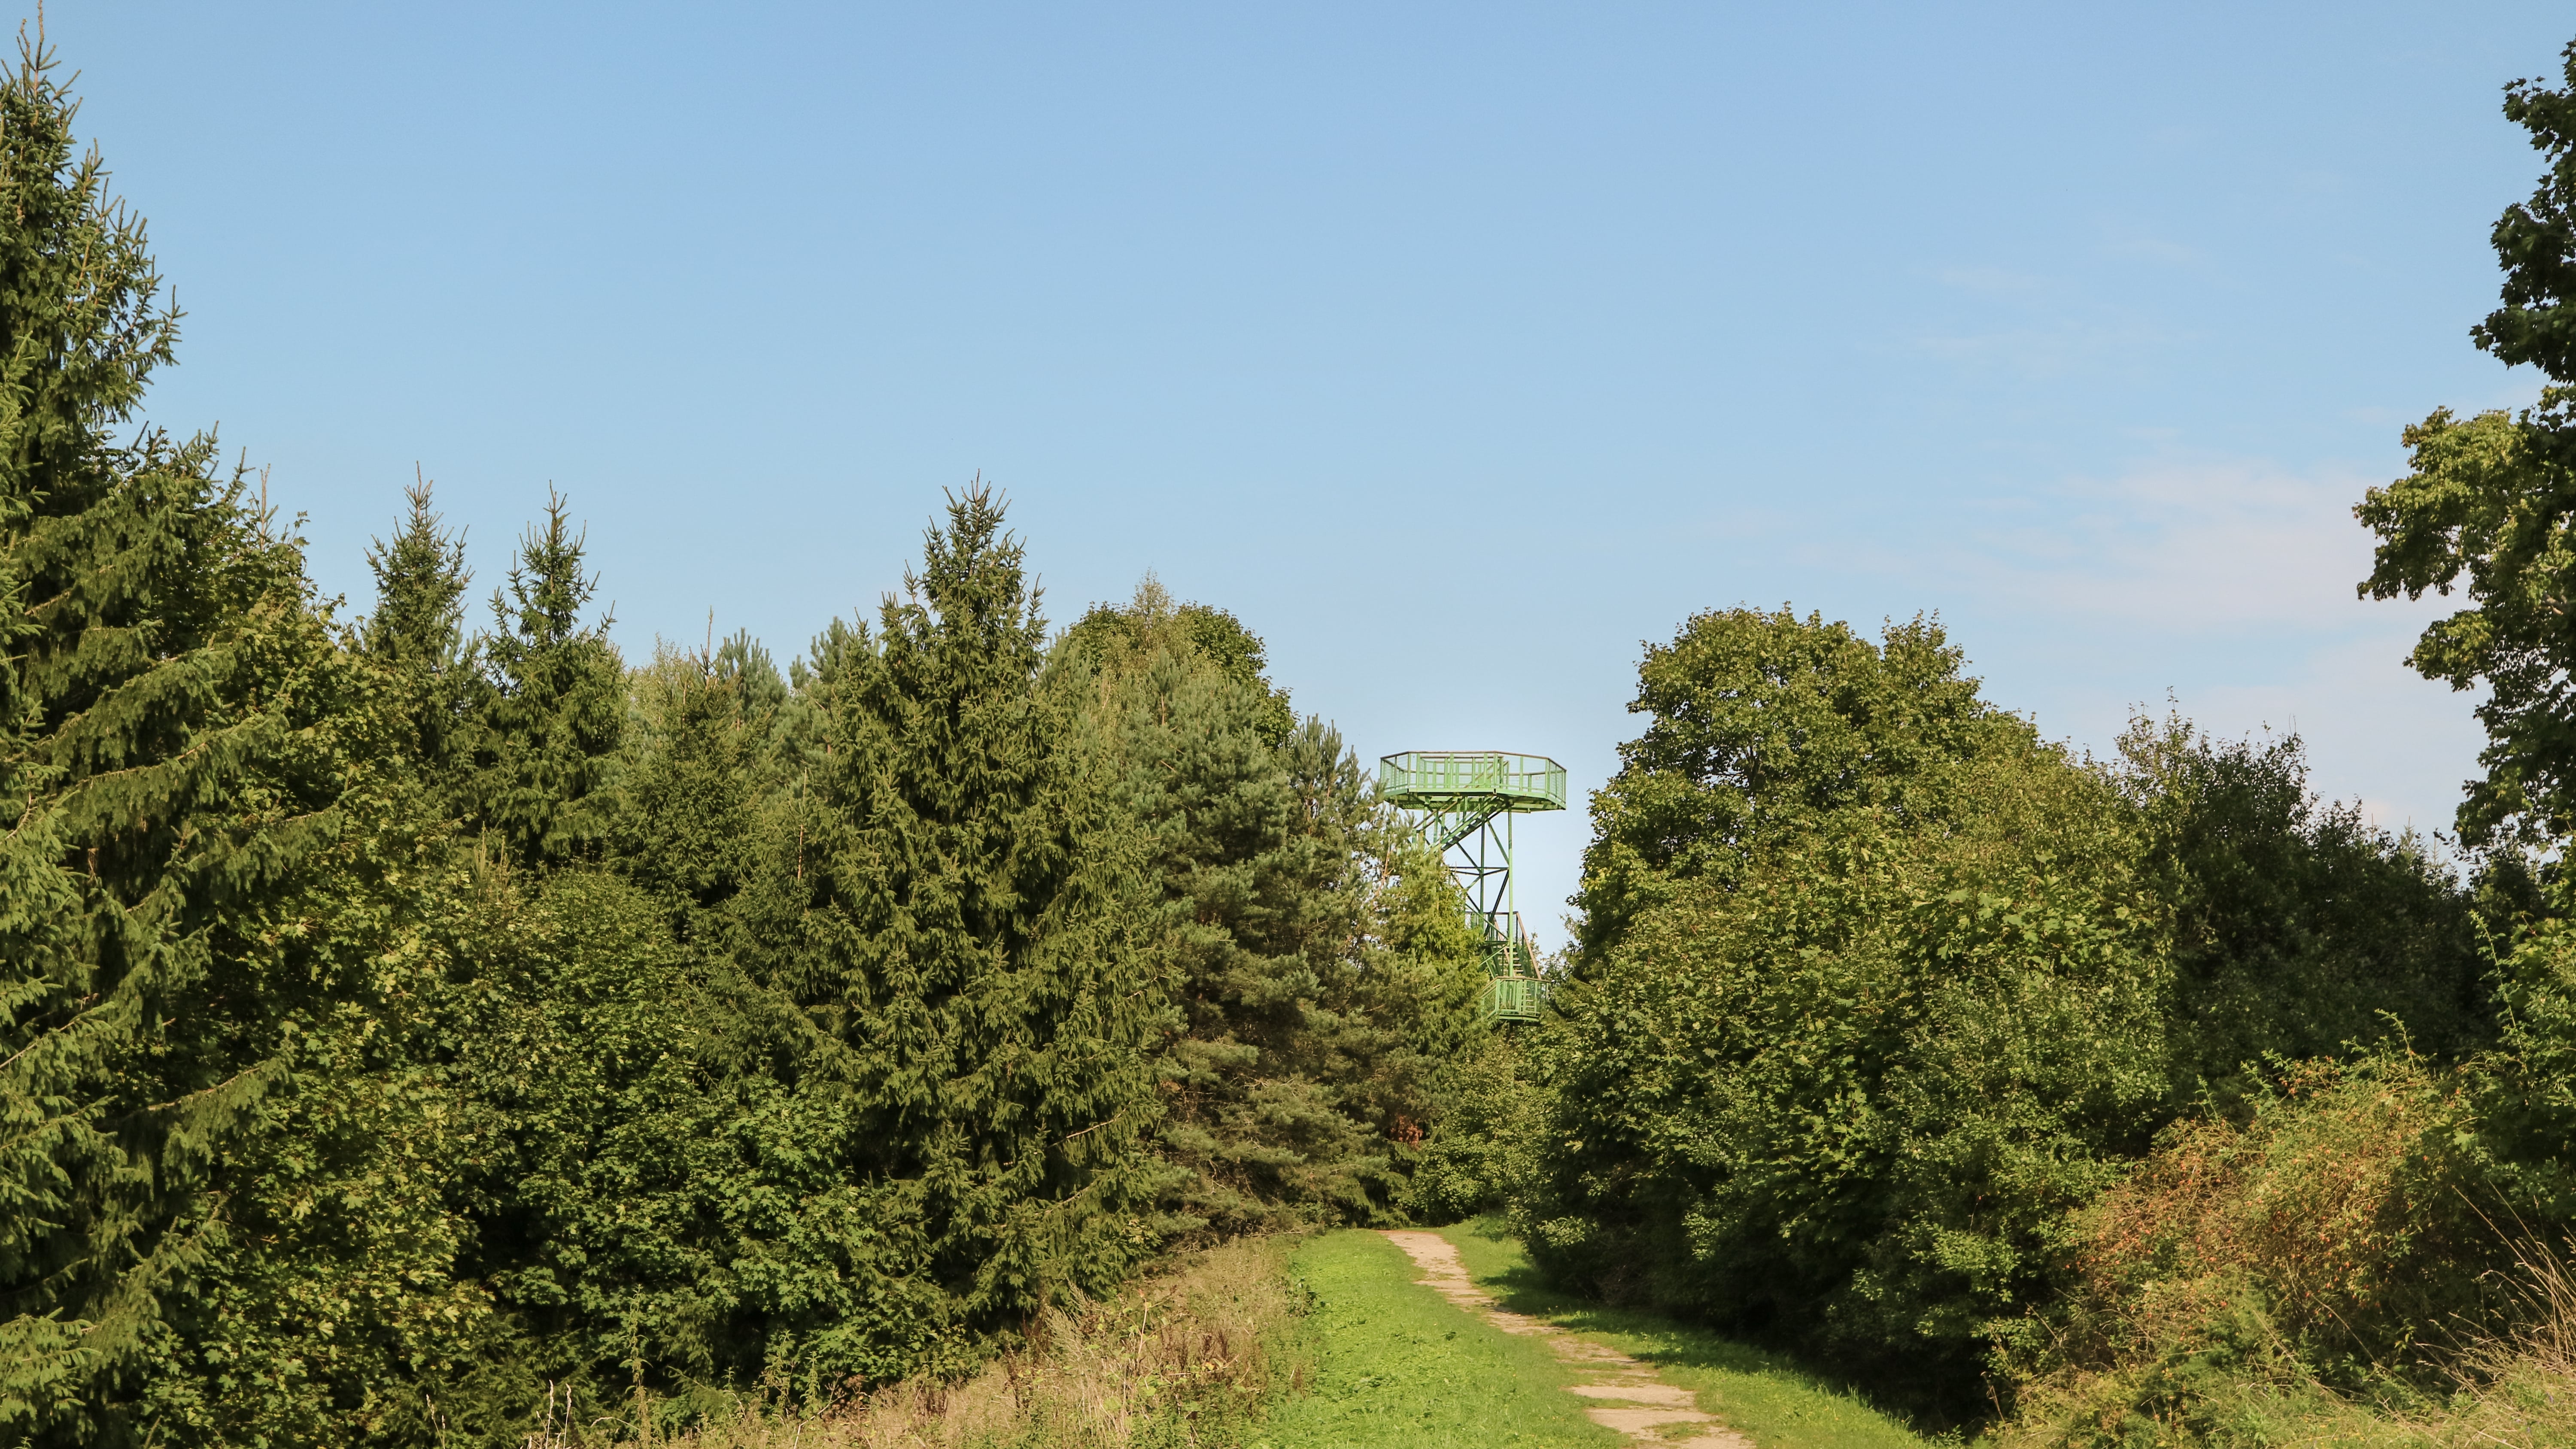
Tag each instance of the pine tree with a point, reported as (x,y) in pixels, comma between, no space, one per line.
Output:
(417,629)
(224,1168)
(129,564)
(1117,641)
(1310,1022)
(554,709)
(949,920)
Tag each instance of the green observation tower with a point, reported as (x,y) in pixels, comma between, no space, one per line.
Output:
(1464,801)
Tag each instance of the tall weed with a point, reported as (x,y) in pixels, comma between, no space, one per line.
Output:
(2330,1254)
(1185,1358)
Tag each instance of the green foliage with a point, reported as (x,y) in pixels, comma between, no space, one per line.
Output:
(207,905)
(1760,724)
(407,1030)
(1888,1018)
(1853,1097)
(835,1066)
(2298,929)
(1315,988)
(632,1165)
(707,755)
(545,744)
(2488,498)
(2536,240)
(1114,640)
(2487,507)
(1476,1157)
(417,630)
(328,1296)
(2526,1090)
(949,920)
(401,1030)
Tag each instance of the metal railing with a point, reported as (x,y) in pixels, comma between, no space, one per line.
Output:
(1437,779)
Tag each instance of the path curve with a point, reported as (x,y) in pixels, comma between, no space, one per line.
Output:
(1633,1400)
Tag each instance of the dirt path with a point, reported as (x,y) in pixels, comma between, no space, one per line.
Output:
(1633,1400)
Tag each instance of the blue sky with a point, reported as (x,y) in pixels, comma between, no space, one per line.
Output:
(1457,348)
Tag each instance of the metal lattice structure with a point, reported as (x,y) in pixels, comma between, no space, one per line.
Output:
(1464,801)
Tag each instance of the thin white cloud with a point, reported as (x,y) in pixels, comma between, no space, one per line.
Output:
(2376,731)
(2225,545)
(2157,249)
(2042,352)
(2232,553)
(1999,280)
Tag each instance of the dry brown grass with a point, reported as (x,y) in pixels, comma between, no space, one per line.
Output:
(1186,1357)
(2319,1276)
(2329,1201)
(2514,1388)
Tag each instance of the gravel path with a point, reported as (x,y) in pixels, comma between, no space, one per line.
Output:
(1631,1398)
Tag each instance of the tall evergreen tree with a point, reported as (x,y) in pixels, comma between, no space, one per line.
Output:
(950,919)
(136,574)
(202,895)
(1310,1019)
(418,628)
(554,708)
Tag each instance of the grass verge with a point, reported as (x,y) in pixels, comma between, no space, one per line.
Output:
(1183,1359)
(1758,1394)
(1394,1364)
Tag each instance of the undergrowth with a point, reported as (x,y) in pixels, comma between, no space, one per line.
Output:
(2335,1269)
(1179,1360)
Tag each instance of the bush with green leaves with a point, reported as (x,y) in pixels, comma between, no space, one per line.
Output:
(2334,1236)
(1888,989)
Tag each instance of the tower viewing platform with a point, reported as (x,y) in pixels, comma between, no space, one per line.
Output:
(1445,780)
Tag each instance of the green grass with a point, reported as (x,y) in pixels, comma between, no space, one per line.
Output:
(1395,1364)
(1762,1395)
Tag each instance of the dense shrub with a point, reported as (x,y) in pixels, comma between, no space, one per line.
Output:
(1851,1097)
(1476,1155)
(1842,1067)
(2527,1088)
(2339,1241)
(2298,929)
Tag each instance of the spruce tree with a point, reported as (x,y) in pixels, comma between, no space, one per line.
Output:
(1311,1011)
(133,570)
(417,630)
(948,921)
(420,589)
(553,708)
(202,893)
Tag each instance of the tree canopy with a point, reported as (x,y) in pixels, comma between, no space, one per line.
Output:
(2487,509)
